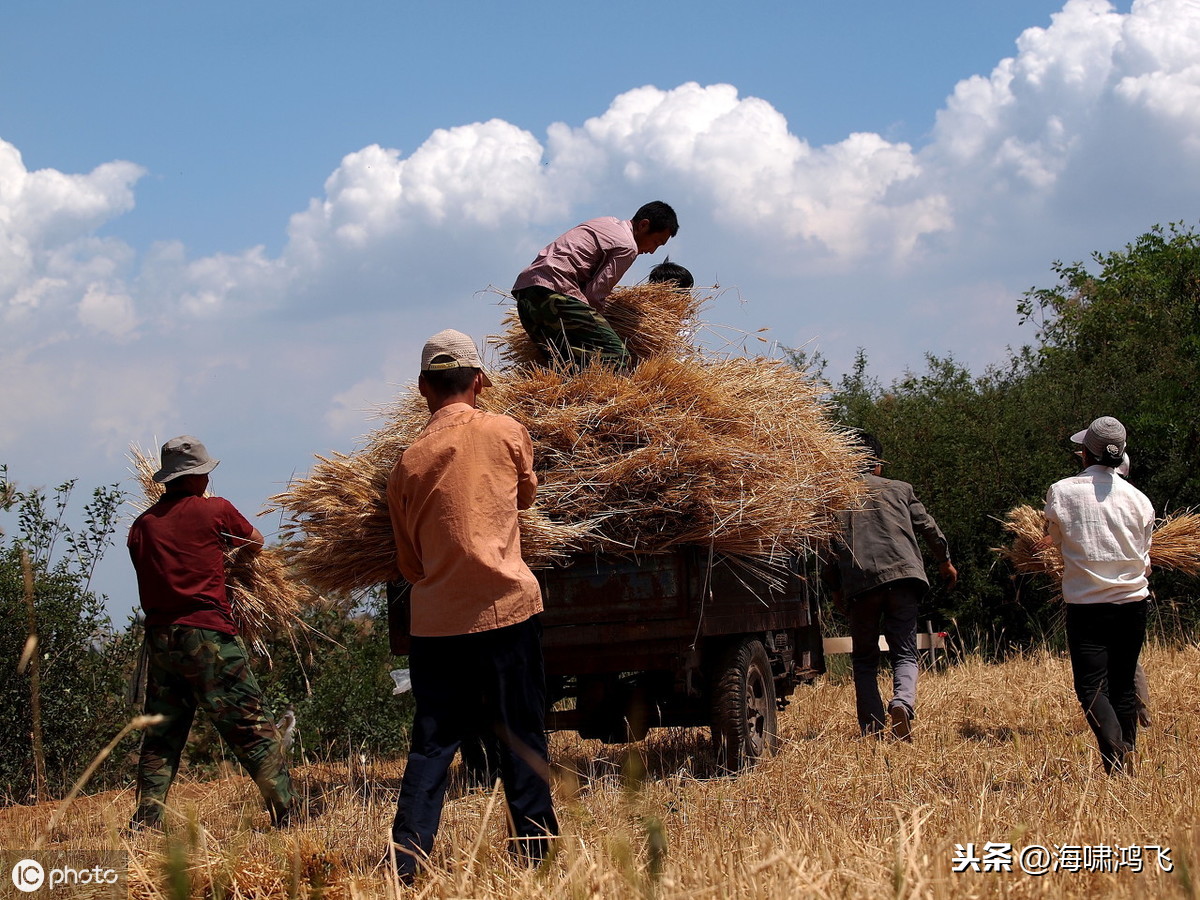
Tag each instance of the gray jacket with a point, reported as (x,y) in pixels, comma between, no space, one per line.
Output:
(878,543)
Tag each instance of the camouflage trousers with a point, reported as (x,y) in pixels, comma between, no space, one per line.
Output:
(569,330)
(197,667)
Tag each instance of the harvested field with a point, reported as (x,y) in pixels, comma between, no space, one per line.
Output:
(1001,753)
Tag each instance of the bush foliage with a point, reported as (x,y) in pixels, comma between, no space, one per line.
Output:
(338,683)
(1119,337)
(81,662)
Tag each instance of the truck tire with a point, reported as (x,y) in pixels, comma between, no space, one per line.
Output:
(744,715)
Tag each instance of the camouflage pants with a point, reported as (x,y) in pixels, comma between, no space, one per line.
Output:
(569,330)
(196,667)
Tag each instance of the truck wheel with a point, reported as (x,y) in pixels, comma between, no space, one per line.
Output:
(744,722)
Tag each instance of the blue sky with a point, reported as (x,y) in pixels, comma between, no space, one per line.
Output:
(242,220)
(224,102)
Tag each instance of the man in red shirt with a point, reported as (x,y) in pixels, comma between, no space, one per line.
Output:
(475,653)
(194,660)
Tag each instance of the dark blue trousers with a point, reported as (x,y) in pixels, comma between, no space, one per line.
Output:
(892,607)
(1105,640)
(463,684)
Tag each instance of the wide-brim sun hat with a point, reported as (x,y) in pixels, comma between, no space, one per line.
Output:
(1104,437)
(184,455)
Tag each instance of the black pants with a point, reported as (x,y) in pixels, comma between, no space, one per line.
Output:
(1105,640)
(494,680)
(892,607)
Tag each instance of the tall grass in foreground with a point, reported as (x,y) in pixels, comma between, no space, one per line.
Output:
(1001,753)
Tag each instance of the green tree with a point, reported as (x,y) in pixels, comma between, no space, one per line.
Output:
(81,663)
(1121,338)
(338,684)
(1125,341)
(961,441)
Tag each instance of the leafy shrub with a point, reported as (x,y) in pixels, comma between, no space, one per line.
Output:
(82,664)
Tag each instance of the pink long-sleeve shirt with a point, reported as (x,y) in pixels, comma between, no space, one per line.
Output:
(586,262)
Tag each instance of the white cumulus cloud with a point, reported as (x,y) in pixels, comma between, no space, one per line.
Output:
(102,311)
(1091,105)
(47,219)
(739,157)
(1087,135)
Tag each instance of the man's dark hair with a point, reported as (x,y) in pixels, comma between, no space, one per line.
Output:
(446,382)
(667,271)
(874,449)
(661,216)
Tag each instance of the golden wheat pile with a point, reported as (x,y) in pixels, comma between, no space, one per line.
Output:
(1174,547)
(732,453)
(264,597)
(652,319)
(339,535)
(1027,553)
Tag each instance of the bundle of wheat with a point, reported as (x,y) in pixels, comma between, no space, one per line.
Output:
(265,598)
(339,534)
(1028,554)
(652,320)
(1174,547)
(143,464)
(1176,543)
(732,453)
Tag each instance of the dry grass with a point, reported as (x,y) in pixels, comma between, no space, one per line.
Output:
(1028,554)
(1175,545)
(1001,753)
(265,598)
(732,453)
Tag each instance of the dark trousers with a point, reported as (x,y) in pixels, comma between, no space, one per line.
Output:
(568,330)
(494,679)
(192,668)
(891,607)
(1105,640)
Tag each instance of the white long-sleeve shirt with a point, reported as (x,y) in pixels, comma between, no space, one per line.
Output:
(1103,525)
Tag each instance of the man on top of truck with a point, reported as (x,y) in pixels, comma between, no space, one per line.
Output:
(561,295)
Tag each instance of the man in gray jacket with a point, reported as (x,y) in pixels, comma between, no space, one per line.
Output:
(876,569)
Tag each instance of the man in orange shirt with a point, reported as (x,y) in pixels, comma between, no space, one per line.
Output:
(475,654)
